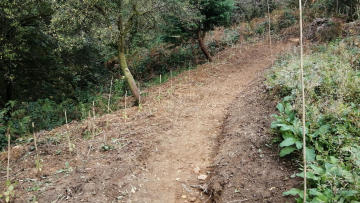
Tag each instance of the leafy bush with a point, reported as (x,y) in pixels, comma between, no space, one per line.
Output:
(332,83)
(47,114)
(230,37)
(286,19)
(247,10)
(161,59)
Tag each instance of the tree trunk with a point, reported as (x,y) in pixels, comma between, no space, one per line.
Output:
(123,64)
(129,78)
(201,36)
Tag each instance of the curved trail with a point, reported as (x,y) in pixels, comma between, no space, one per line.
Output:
(195,107)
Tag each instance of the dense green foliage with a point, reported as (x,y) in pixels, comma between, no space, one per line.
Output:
(348,9)
(246,10)
(60,55)
(332,81)
(31,58)
(202,17)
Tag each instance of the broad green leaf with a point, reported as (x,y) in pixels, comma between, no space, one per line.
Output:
(288,142)
(333,160)
(310,155)
(287,98)
(280,107)
(298,144)
(288,109)
(285,127)
(287,150)
(321,131)
(349,193)
(319,197)
(294,192)
(309,175)
(316,169)
(286,135)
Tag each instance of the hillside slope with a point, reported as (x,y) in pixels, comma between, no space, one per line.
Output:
(161,152)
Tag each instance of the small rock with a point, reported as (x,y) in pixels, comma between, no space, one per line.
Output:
(192,199)
(202,177)
(183,196)
(197,170)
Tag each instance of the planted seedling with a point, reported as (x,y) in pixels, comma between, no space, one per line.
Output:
(9,192)
(105,147)
(68,169)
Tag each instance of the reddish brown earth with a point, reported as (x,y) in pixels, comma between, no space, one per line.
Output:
(163,151)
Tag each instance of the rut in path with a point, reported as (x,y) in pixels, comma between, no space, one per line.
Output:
(196,110)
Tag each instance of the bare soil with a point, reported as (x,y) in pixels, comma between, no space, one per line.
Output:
(161,152)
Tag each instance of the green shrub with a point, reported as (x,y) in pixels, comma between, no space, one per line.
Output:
(47,114)
(161,59)
(332,84)
(247,10)
(286,20)
(230,37)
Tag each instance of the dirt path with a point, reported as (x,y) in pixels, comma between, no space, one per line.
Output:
(196,110)
(162,152)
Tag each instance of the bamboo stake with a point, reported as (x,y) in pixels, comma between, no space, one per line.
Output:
(171,82)
(94,117)
(303,98)
(270,44)
(68,136)
(37,160)
(111,84)
(91,126)
(160,89)
(125,96)
(139,86)
(108,108)
(93,110)
(189,72)
(8,156)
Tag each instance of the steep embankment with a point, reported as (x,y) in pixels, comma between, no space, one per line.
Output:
(162,152)
(247,167)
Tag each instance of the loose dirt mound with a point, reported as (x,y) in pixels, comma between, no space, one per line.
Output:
(247,167)
(161,152)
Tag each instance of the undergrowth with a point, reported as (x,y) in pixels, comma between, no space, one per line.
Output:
(332,88)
